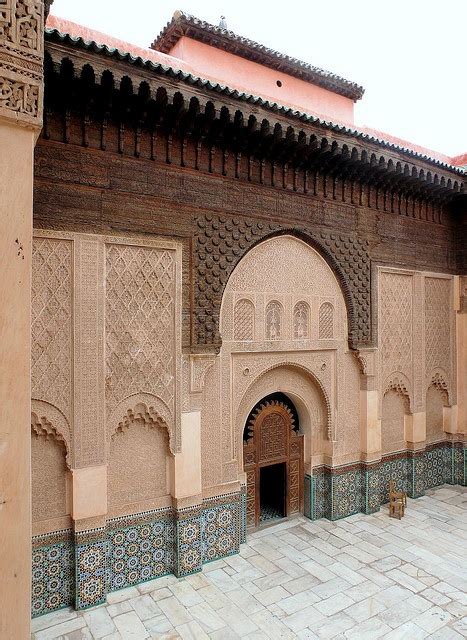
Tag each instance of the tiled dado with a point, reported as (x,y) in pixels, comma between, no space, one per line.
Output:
(53,572)
(80,569)
(338,492)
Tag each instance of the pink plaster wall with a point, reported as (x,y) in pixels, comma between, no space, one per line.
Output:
(256,79)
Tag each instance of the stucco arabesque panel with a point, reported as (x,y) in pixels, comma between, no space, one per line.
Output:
(416,334)
(52,323)
(143,330)
(21,55)
(439,314)
(78,344)
(396,298)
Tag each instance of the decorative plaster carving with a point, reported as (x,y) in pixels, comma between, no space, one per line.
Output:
(52,323)
(244,320)
(274,320)
(43,427)
(438,380)
(395,323)
(438,313)
(200,365)
(88,353)
(211,427)
(48,471)
(143,326)
(21,50)
(19,96)
(138,460)
(397,381)
(436,399)
(298,382)
(301,321)
(326,321)
(45,416)
(221,242)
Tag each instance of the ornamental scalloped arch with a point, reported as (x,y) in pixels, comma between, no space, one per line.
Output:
(291,365)
(439,379)
(399,382)
(47,420)
(143,406)
(220,244)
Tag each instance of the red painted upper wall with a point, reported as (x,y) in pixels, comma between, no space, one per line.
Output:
(259,80)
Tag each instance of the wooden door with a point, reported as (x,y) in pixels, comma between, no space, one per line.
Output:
(273,441)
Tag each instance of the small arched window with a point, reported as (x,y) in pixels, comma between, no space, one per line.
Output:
(326,321)
(274,321)
(244,320)
(301,321)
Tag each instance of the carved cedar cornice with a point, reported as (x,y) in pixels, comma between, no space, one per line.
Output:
(152,96)
(21,58)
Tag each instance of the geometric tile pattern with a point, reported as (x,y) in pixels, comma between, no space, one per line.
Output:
(189,554)
(351,579)
(91,569)
(438,466)
(371,487)
(322,489)
(53,573)
(340,492)
(347,493)
(140,551)
(135,549)
(394,468)
(221,529)
(243,510)
(308,496)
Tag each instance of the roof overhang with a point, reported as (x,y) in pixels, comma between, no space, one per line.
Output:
(183,24)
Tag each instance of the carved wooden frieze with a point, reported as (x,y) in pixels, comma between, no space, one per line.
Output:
(221,242)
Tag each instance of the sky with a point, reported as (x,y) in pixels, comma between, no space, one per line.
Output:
(410,55)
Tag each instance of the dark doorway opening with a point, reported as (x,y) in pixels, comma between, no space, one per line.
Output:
(272,492)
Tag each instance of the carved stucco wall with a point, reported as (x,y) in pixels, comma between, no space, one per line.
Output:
(52,326)
(436,399)
(138,465)
(49,473)
(105,351)
(140,330)
(416,334)
(270,342)
(395,406)
(438,329)
(21,52)
(222,242)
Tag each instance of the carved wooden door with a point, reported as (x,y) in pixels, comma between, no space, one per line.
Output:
(273,442)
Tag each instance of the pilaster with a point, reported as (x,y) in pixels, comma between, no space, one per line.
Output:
(21,91)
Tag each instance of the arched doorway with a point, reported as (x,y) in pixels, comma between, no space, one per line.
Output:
(273,460)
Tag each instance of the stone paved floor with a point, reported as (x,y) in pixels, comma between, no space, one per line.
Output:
(358,578)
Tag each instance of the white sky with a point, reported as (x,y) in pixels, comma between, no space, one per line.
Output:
(410,55)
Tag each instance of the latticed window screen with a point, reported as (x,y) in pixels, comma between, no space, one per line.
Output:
(244,320)
(301,320)
(326,321)
(273,320)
